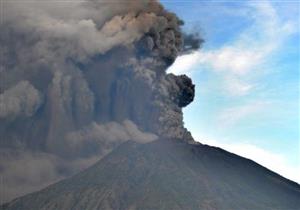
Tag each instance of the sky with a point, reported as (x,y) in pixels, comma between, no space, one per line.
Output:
(247,79)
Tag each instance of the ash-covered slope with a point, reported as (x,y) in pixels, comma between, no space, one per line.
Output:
(168,175)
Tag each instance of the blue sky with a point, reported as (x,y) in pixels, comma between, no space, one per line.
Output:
(247,78)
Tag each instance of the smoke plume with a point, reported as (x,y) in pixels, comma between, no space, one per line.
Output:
(79,78)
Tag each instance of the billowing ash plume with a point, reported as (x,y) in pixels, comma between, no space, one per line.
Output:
(79,78)
(21,100)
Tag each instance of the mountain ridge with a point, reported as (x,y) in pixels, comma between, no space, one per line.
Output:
(167,174)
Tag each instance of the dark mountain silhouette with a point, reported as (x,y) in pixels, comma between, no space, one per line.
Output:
(167,174)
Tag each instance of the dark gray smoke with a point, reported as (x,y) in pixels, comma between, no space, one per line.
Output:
(79,78)
(192,42)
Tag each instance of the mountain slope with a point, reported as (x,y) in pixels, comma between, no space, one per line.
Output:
(167,174)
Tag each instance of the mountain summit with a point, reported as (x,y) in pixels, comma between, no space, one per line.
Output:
(167,174)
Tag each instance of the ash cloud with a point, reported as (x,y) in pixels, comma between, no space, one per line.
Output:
(20,100)
(102,137)
(79,78)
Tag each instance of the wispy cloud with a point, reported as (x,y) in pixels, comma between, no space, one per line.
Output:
(231,116)
(245,55)
(185,64)
(236,86)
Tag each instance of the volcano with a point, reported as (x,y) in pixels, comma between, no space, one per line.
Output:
(167,174)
